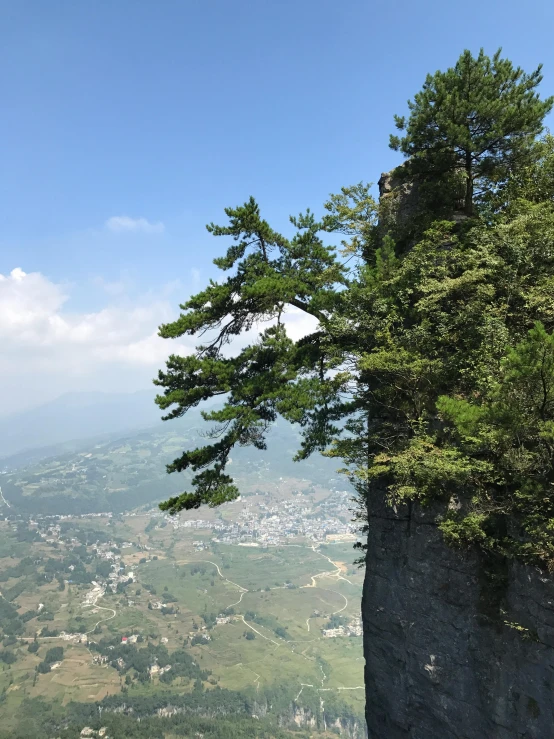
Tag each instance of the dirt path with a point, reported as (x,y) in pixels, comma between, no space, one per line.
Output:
(102,620)
(338,573)
(259,632)
(93,604)
(258,677)
(2,496)
(283,643)
(221,575)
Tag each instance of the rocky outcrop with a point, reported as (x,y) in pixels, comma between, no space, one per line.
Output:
(399,203)
(302,717)
(407,207)
(399,197)
(449,655)
(291,716)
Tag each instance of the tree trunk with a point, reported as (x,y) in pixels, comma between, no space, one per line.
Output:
(468,204)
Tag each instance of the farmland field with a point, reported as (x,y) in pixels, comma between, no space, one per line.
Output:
(251,617)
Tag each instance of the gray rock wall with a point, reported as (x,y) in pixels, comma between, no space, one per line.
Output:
(437,666)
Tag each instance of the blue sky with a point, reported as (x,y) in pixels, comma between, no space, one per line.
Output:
(127,125)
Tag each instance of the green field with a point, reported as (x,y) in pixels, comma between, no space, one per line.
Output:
(280,596)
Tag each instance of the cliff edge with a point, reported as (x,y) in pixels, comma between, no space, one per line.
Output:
(437,665)
(456,647)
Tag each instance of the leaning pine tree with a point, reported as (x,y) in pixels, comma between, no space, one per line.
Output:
(273,375)
(430,372)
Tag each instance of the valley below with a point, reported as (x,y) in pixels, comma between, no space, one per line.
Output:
(249,613)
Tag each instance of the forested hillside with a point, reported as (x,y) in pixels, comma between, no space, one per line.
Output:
(122,473)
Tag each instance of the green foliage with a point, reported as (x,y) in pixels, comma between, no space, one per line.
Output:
(353,212)
(335,621)
(198,639)
(25,567)
(7,657)
(103,569)
(430,372)
(55,654)
(280,632)
(150,526)
(478,117)
(10,622)
(46,632)
(531,183)
(45,616)
(510,430)
(271,273)
(209,619)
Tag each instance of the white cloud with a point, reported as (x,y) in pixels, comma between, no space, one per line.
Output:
(47,349)
(121,224)
(298,323)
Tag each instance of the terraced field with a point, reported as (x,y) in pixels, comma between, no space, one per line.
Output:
(278,601)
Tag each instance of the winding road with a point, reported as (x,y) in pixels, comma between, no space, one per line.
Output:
(278,644)
(93,604)
(284,643)
(101,608)
(3,499)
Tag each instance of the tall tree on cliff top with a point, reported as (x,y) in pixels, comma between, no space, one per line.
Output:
(478,117)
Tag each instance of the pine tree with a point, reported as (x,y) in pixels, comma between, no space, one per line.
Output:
(479,117)
(274,374)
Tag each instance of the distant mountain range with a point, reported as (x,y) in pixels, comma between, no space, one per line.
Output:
(123,472)
(77,416)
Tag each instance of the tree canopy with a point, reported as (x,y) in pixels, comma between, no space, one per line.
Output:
(273,374)
(430,371)
(477,118)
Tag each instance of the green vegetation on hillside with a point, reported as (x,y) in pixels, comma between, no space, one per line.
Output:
(196,716)
(126,473)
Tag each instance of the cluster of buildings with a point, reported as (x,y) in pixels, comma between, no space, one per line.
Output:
(99,659)
(93,595)
(272,525)
(260,524)
(74,638)
(130,639)
(354,628)
(105,551)
(157,671)
(88,732)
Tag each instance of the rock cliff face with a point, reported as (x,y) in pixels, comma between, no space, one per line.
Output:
(441,663)
(399,201)
(408,208)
